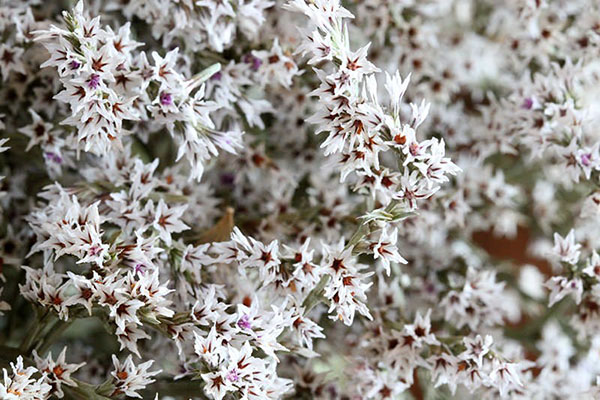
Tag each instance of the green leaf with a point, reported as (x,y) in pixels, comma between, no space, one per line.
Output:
(314,297)
(203,76)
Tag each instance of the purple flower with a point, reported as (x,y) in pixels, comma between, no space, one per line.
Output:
(255,61)
(166,99)
(53,157)
(233,375)
(74,64)
(586,159)
(94,81)
(244,322)
(139,268)
(527,103)
(217,76)
(94,250)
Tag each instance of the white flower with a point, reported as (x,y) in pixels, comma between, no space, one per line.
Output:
(506,376)
(217,385)
(444,370)
(476,348)
(593,266)
(385,249)
(209,348)
(20,383)
(396,87)
(58,371)
(129,378)
(420,330)
(561,286)
(167,220)
(10,60)
(566,249)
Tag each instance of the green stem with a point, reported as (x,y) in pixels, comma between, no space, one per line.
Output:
(39,325)
(51,336)
(315,295)
(183,388)
(362,231)
(7,355)
(83,391)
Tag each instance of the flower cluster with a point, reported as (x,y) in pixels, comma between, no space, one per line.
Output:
(200,24)
(299,199)
(21,384)
(360,128)
(106,83)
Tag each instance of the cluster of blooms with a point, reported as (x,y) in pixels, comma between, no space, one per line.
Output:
(107,83)
(200,24)
(470,362)
(358,127)
(20,383)
(418,217)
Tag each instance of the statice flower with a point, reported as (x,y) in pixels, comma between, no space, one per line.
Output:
(107,82)
(300,199)
(87,58)
(359,127)
(21,384)
(58,371)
